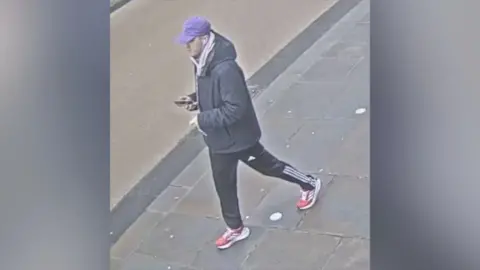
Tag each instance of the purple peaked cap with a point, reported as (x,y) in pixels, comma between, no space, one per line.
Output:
(192,28)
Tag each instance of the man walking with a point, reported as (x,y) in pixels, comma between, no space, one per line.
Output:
(228,122)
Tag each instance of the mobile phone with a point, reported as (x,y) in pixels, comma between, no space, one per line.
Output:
(183,102)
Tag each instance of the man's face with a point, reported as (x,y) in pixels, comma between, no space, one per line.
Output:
(195,47)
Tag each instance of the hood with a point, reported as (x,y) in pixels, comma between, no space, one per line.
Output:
(223,50)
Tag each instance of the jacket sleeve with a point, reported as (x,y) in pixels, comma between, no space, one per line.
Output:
(235,97)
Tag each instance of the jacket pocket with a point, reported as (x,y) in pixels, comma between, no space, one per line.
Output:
(219,138)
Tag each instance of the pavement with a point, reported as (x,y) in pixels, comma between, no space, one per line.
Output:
(148,70)
(310,117)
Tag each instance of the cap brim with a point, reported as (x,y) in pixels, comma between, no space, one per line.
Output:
(184,39)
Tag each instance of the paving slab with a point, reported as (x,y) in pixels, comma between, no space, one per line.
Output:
(277,133)
(305,100)
(179,238)
(201,201)
(347,50)
(356,94)
(145,262)
(330,70)
(133,237)
(168,199)
(353,157)
(194,171)
(284,250)
(316,142)
(343,211)
(352,254)
(365,19)
(359,34)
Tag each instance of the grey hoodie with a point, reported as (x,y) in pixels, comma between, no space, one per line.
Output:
(227,116)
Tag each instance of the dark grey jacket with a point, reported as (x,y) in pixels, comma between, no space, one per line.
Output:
(227,116)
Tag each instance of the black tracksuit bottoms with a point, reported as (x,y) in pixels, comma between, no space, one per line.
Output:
(224,170)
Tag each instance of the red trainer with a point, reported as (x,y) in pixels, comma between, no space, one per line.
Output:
(231,236)
(309,197)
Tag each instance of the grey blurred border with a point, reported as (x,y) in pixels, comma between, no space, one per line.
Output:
(54,135)
(425,131)
(137,200)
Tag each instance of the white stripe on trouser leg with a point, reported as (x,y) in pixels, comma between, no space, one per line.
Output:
(297,175)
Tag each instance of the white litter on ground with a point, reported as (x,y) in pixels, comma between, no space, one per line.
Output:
(360,111)
(276,216)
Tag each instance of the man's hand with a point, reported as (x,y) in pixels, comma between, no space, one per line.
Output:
(194,121)
(187,103)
